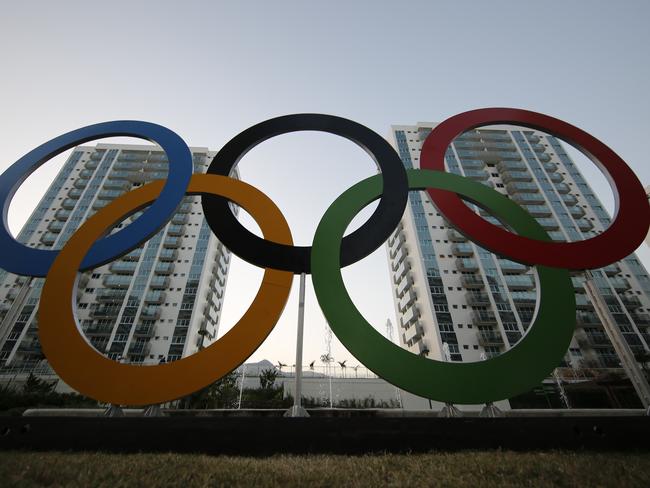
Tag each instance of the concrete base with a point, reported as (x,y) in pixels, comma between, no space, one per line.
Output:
(114,411)
(449,411)
(491,410)
(296,411)
(344,435)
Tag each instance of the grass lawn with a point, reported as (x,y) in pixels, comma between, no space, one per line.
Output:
(465,469)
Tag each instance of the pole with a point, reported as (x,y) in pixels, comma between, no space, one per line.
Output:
(297,410)
(241,385)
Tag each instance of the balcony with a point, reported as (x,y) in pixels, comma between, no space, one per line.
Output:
(584,225)
(455,236)
(402,269)
(98,204)
(180,219)
(62,214)
(117,281)
(168,255)
(150,313)
(410,316)
(123,267)
(75,193)
(532,138)
(483,317)
(594,340)
(471,281)
(105,311)
(86,173)
(159,282)
(519,282)
(131,156)
(156,167)
(157,157)
(69,203)
(466,265)
(522,187)
(133,255)
(56,226)
(121,165)
(556,177)
(587,319)
(99,330)
(577,212)
(414,332)
(631,302)
(473,164)
(529,198)
(117,185)
(508,266)
(548,223)
(486,338)
(612,269)
(619,284)
(407,299)
(142,330)
(175,230)
(512,176)
(121,175)
(504,167)
(550,167)
(476,174)
(32,347)
(80,184)
(562,188)
(109,194)
(569,199)
(462,249)
(397,258)
(156,296)
(477,299)
(171,242)
(521,297)
(105,295)
(538,210)
(582,302)
(49,238)
(164,268)
(140,348)
(403,285)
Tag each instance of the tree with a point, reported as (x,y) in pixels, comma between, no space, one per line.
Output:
(36,385)
(223,393)
(267,378)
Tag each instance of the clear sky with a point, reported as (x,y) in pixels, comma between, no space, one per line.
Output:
(211,69)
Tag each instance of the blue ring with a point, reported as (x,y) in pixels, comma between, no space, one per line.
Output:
(20,259)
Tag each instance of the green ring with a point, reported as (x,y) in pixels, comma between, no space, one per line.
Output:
(514,372)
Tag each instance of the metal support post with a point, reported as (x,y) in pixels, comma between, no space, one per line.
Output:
(297,410)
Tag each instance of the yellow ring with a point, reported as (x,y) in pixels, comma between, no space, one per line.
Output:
(92,374)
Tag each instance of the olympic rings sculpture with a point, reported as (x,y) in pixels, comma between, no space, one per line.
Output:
(517,370)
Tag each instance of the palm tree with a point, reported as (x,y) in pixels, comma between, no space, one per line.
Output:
(342,364)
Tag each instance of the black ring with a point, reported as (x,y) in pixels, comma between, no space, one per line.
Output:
(355,246)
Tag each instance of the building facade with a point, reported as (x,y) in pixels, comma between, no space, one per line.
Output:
(456,301)
(159,302)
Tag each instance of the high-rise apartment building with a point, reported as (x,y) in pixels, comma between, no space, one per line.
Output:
(454,300)
(159,302)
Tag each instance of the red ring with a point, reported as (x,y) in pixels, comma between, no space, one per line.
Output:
(626,232)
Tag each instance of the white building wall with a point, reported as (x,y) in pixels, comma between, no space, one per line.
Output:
(474,318)
(176,306)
